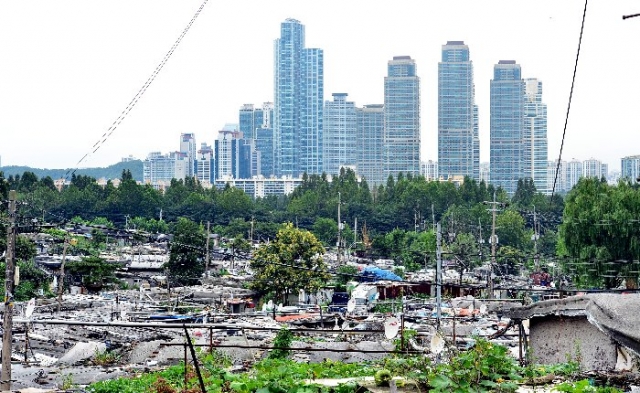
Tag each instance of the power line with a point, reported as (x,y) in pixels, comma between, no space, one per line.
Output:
(573,81)
(138,95)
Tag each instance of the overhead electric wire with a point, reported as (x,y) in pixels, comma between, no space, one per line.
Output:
(138,95)
(573,81)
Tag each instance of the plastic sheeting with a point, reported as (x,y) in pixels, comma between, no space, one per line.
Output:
(372,273)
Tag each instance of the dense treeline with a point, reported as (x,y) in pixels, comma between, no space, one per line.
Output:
(599,232)
(109,172)
(396,218)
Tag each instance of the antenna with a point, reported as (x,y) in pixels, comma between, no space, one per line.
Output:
(391,327)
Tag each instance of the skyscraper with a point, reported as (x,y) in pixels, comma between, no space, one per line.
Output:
(369,134)
(506,125)
(233,155)
(595,168)
(458,139)
(401,141)
(535,159)
(250,119)
(299,90)
(188,148)
(630,168)
(265,143)
(573,173)
(339,131)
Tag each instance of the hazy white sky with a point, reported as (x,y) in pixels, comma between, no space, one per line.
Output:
(69,67)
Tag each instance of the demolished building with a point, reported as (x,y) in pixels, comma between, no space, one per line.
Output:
(599,330)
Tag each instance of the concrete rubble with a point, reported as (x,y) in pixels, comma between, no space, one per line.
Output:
(115,333)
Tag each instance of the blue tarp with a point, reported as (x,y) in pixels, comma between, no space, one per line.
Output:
(372,273)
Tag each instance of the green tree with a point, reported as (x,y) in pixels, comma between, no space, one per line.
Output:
(510,229)
(94,272)
(464,251)
(326,230)
(600,233)
(186,265)
(32,278)
(291,262)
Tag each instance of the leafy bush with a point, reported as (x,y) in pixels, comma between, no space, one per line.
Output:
(382,377)
(283,340)
(484,368)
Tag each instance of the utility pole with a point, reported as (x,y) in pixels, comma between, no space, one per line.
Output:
(494,240)
(339,231)
(355,231)
(438,275)
(433,217)
(61,279)
(251,234)
(206,261)
(5,382)
(535,236)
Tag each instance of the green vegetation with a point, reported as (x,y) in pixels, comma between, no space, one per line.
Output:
(186,258)
(600,233)
(269,375)
(94,273)
(283,340)
(291,262)
(484,368)
(596,241)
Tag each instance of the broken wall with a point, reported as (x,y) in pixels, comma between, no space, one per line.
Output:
(556,339)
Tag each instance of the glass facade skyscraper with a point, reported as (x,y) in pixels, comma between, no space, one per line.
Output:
(299,90)
(401,141)
(458,139)
(250,119)
(339,132)
(630,168)
(188,149)
(506,125)
(535,135)
(369,135)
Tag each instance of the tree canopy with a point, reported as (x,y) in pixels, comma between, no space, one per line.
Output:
(600,233)
(291,262)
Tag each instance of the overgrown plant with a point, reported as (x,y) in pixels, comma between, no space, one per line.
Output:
(484,368)
(283,340)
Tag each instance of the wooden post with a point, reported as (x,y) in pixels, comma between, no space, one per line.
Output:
(5,383)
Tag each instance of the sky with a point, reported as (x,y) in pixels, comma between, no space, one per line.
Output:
(68,68)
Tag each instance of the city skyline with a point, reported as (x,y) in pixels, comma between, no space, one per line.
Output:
(69,78)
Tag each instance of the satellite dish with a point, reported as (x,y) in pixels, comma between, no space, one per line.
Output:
(351,304)
(437,343)
(391,327)
(270,305)
(483,309)
(31,306)
(264,307)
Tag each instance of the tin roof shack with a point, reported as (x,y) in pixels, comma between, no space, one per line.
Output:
(600,328)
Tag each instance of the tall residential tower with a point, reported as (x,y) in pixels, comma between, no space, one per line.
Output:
(458,139)
(298,93)
(339,130)
(401,141)
(506,125)
(535,135)
(369,135)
